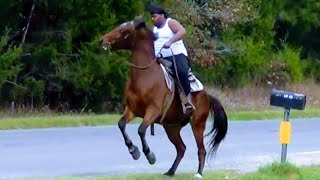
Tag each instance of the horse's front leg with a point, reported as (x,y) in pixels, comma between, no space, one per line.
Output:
(148,119)
(127,117)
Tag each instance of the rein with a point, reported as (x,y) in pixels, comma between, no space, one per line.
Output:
(133,65)
(143,67)
(147,66)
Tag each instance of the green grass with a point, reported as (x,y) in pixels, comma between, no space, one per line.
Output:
(287,171)
(272,114)
(48,121)
(274,171)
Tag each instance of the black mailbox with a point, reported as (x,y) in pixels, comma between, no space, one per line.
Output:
(288,100)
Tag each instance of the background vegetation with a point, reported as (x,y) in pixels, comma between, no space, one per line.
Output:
(54,61)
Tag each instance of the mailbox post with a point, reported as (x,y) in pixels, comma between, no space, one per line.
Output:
(287,100)
(285,131)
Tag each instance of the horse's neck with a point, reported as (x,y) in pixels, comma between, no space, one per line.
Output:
(142,56)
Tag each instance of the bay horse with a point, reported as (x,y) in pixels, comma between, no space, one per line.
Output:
(146,90)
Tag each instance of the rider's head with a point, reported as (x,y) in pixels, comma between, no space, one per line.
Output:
(158,15)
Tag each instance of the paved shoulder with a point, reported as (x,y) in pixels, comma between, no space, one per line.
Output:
(101,150)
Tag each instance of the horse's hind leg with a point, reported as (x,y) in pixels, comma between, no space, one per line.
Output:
(198,125)
(127,117)
(149,118)
(173,133)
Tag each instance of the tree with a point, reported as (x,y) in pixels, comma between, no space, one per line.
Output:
(8,61)
(64,55)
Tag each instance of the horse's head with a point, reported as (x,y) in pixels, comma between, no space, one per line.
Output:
(122,36)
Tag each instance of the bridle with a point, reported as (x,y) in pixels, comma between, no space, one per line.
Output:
(107,47)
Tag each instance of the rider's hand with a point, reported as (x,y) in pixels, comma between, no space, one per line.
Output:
(167,45)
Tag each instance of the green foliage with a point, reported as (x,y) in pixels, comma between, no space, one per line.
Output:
(301,11)
(102,74)
(8,16)
(301,25)
(284,170)
(35,88)
(248,64)
(231,43)
(291,58)
(8,56)
(65,56)
(251,41)
(255,50)
(311,69)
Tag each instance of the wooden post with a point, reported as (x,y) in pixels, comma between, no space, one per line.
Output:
(12,108)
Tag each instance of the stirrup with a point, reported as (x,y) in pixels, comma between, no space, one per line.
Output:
(188,109)
(187,106)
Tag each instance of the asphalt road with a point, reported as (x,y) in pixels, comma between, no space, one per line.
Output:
(87,151)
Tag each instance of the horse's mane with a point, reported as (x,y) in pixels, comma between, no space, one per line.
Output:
(145,31)
(147,35)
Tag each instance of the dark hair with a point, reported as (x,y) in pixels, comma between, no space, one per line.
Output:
(156,9)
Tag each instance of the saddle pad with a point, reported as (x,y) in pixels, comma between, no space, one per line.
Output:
(195,84)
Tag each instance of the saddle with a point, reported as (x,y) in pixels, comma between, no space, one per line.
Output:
(168,65)
(172,82)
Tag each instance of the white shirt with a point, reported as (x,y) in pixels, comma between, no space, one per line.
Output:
(163,35)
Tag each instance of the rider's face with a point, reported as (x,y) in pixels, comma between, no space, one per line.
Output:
(157,19)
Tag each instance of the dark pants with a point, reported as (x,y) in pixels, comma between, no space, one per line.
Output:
(182,65)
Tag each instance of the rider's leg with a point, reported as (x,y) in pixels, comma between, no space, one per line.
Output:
(182,67)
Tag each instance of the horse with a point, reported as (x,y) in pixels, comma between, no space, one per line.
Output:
(145,94)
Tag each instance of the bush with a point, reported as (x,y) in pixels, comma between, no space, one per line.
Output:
(294,68)
(311,69)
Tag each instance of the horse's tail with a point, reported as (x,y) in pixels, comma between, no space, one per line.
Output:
(220,125)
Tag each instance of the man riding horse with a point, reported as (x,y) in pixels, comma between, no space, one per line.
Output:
(147,89)
(169,45)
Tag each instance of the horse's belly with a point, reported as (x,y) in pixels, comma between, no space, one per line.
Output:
(175,114)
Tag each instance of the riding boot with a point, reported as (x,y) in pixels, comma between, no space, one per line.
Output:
(187,106)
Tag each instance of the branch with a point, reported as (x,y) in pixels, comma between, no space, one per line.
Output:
(29,19)
(10,82)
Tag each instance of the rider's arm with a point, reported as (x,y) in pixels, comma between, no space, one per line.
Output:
(155,33)
(177,29)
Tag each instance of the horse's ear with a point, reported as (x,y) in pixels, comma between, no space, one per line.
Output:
(139,22)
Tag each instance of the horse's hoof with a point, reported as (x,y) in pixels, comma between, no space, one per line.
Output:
(198,176)
(134,151)
(169,173)
(151,158)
